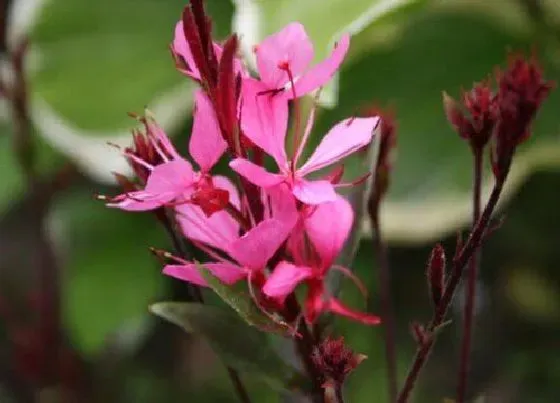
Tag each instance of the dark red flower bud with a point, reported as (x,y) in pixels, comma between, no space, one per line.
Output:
(334,361)
(521,91)
(480,105)
(436,274)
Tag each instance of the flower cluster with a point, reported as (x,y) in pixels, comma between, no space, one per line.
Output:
(276,230)
(504,115)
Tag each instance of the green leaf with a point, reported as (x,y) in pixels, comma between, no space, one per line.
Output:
(110,275)
(324,21)
(241,347)
(242,303)
(430,189)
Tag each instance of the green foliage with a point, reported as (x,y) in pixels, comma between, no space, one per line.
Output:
(110,275)
(242,303)
(241,347)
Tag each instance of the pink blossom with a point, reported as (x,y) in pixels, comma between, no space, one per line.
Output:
(283,59)
(248,255)
(327,235)
(174,181)
(265,124)
(219,234)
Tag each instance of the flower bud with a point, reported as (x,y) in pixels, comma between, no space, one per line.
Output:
(436,274)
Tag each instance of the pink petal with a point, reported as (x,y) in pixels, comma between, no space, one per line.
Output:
(335,306)
(282,203)
(140,201)
(181,48)
(218,231)
(264,119)
(255,173)
(224,183)
(175,176)
(326,233)
(321,73)
(206,145)
(158,134)
(257,246)
(285,278)
(314,192)
(227,273)
(289,47)
(342,140)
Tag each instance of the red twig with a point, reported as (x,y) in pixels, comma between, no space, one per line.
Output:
(459,264)
(468,318)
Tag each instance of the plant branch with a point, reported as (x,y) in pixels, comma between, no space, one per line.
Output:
(459,263)
(387,311)
(305,345)
(468,315)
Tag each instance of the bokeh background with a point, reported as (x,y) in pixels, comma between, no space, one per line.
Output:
(89,63)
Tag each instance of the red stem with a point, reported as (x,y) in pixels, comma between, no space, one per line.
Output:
(387,311)
(466,345)
(459,263)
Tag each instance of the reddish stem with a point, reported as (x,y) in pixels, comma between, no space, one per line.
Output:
(387,311)
(466,345)
(459,264)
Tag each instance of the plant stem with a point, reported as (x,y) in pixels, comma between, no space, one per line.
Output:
(387,311)
(305,344)
(238,385)
(468,317)
(473,243)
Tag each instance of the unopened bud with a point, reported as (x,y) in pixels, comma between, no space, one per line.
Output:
(436,274)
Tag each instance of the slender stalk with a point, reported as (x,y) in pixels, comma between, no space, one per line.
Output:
(305,345)
(238,385)
(468,315)
(333,394)
(387,311)
(459,263)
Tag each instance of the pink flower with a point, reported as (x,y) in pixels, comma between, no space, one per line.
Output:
(249,254)
(327,235)
(265,125)
(283,59)
(174,181)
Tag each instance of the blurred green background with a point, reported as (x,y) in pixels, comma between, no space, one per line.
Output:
(91,62)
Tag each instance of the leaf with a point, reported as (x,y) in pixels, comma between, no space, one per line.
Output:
(99,60)
(324,21)
(110,276)
(242,303)
(430,190)
(240,346)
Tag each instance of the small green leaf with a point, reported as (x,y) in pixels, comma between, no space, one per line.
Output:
(242,303)
(240,346)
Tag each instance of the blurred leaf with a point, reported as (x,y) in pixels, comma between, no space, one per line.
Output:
(111,276)
(99,60)
(242,303)
(240,346)
(324,21)
(11,185)
(430,190)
